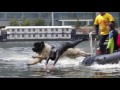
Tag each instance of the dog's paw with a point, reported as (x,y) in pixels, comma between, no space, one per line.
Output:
(33,57)
(28,64)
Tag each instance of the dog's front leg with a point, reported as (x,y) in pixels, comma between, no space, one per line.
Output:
(35,62)
(37,56)
(34,56)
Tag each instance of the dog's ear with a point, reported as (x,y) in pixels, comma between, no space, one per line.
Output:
(36,44)
(42,44)
(34,49)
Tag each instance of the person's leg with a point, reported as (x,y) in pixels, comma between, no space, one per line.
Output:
(101,43)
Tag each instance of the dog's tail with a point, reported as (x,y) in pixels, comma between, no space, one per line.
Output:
(84,39)
(76,42)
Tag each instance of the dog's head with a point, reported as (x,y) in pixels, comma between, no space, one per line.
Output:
(38,46)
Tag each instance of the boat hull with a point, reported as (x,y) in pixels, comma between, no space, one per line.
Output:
(102,59)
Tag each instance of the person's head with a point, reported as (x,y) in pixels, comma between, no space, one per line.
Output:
(111,26)
(38,46)
(102,13)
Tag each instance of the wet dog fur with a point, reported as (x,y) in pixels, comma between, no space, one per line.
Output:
(43,50)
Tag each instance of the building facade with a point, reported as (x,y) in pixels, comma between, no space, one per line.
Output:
(54,18)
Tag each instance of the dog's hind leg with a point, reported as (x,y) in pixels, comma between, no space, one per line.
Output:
(84,54)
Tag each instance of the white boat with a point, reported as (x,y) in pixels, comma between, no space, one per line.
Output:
(38,32)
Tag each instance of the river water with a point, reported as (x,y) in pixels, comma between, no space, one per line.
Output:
(15,55)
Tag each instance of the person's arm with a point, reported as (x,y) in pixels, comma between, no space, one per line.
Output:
(96,26)
(111,18)
(97,29)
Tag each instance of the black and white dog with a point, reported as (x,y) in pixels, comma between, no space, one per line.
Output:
(45,51)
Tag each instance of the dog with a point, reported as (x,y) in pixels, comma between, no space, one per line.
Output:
(46,51)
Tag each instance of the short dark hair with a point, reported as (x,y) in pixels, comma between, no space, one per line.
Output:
(112,26)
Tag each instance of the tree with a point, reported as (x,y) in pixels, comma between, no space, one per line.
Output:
(38,22)
(14,22)
(77,24)
(25,22)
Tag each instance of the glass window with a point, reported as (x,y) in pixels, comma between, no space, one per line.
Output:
(29,35)
(56,35)
(18,30)
(45,29)
(40,35)
(67,35)
(31,15)
(8,35)
(45,15)
(29,30)
(13,30)
(22,30)
(22,35)
(13,35)
(40,30)
(18,35)
(52,35)
(67,29)
(45,34)
(33,30)
(33,35)
(61,15)
(52,29)
(56,29)
(11,15)
(2,16)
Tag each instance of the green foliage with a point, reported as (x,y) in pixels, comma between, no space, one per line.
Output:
(38,22)
(25,22)
(14,22)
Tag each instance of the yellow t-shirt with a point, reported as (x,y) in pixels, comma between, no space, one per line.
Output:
(103,21)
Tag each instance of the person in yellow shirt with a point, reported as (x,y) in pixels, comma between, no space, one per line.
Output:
(101,22)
